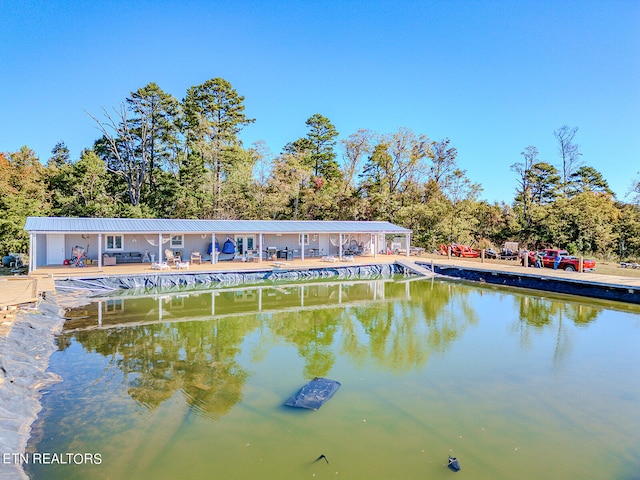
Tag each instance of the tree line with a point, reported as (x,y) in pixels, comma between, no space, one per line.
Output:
(161,157)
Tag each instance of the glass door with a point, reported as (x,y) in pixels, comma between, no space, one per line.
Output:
(244,243)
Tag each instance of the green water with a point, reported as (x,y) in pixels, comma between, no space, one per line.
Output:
(514,384)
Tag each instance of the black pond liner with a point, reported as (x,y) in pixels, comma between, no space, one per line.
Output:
(537,280)
(185,280)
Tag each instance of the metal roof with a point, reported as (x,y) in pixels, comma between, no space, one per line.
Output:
(164,225)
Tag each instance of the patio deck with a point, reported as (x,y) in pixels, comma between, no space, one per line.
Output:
(92,271)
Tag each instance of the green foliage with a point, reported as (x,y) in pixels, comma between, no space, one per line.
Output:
(628,232)
(214,114)
(544,181)
(59,155)
(584,223)
(587,179)
(24,188)
(80,189)
(322,139)
(159,157)
(157,115)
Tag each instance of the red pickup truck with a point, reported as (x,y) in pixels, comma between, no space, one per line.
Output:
(568,262)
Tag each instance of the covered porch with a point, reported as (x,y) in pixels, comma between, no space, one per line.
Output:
(166,243)
(239,265)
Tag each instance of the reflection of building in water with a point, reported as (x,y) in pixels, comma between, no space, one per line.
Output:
(203,305)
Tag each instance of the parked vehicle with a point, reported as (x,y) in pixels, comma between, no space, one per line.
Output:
(568,262)
(464,251)
(509,251)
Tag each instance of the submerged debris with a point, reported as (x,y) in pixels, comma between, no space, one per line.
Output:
(314,394)
(453,464)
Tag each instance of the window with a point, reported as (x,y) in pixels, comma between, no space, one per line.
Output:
(303,239)
(114,242)
(177,241)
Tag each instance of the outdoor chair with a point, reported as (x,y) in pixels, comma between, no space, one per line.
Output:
(356,248)
(196,257)
(170,257)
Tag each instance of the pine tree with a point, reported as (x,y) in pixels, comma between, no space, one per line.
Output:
(214,117)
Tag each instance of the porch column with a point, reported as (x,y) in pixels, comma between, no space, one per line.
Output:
(408,238)
(302,237)
(214,256)
(31,253)
(160,248)
(99,251)
(374,244)
(260,248)
(340,246)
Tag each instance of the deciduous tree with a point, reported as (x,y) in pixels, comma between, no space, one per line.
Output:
(524,188)
(443,160)
(125,146)
(569,155)
(161,114)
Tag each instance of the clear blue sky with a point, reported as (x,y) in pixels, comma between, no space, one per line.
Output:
(493,76)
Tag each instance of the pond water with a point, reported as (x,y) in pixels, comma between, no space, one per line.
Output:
(515,384)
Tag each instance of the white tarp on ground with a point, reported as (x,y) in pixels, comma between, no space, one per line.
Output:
(24,359)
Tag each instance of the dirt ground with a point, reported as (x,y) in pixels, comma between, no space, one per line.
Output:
(606,268)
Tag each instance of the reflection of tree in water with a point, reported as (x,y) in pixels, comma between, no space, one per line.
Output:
(402,335)
(538,313)
(312,332)
(159,359)
(405,323)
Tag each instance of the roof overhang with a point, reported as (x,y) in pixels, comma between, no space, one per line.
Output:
(58,225)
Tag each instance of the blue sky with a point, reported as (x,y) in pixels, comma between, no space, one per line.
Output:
(493,76)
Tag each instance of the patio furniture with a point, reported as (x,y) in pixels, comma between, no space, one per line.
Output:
(160,266)
(286,254)
(355,248)
(182,265)
(196,257)
(171,258)
(108,261)
(123,257)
